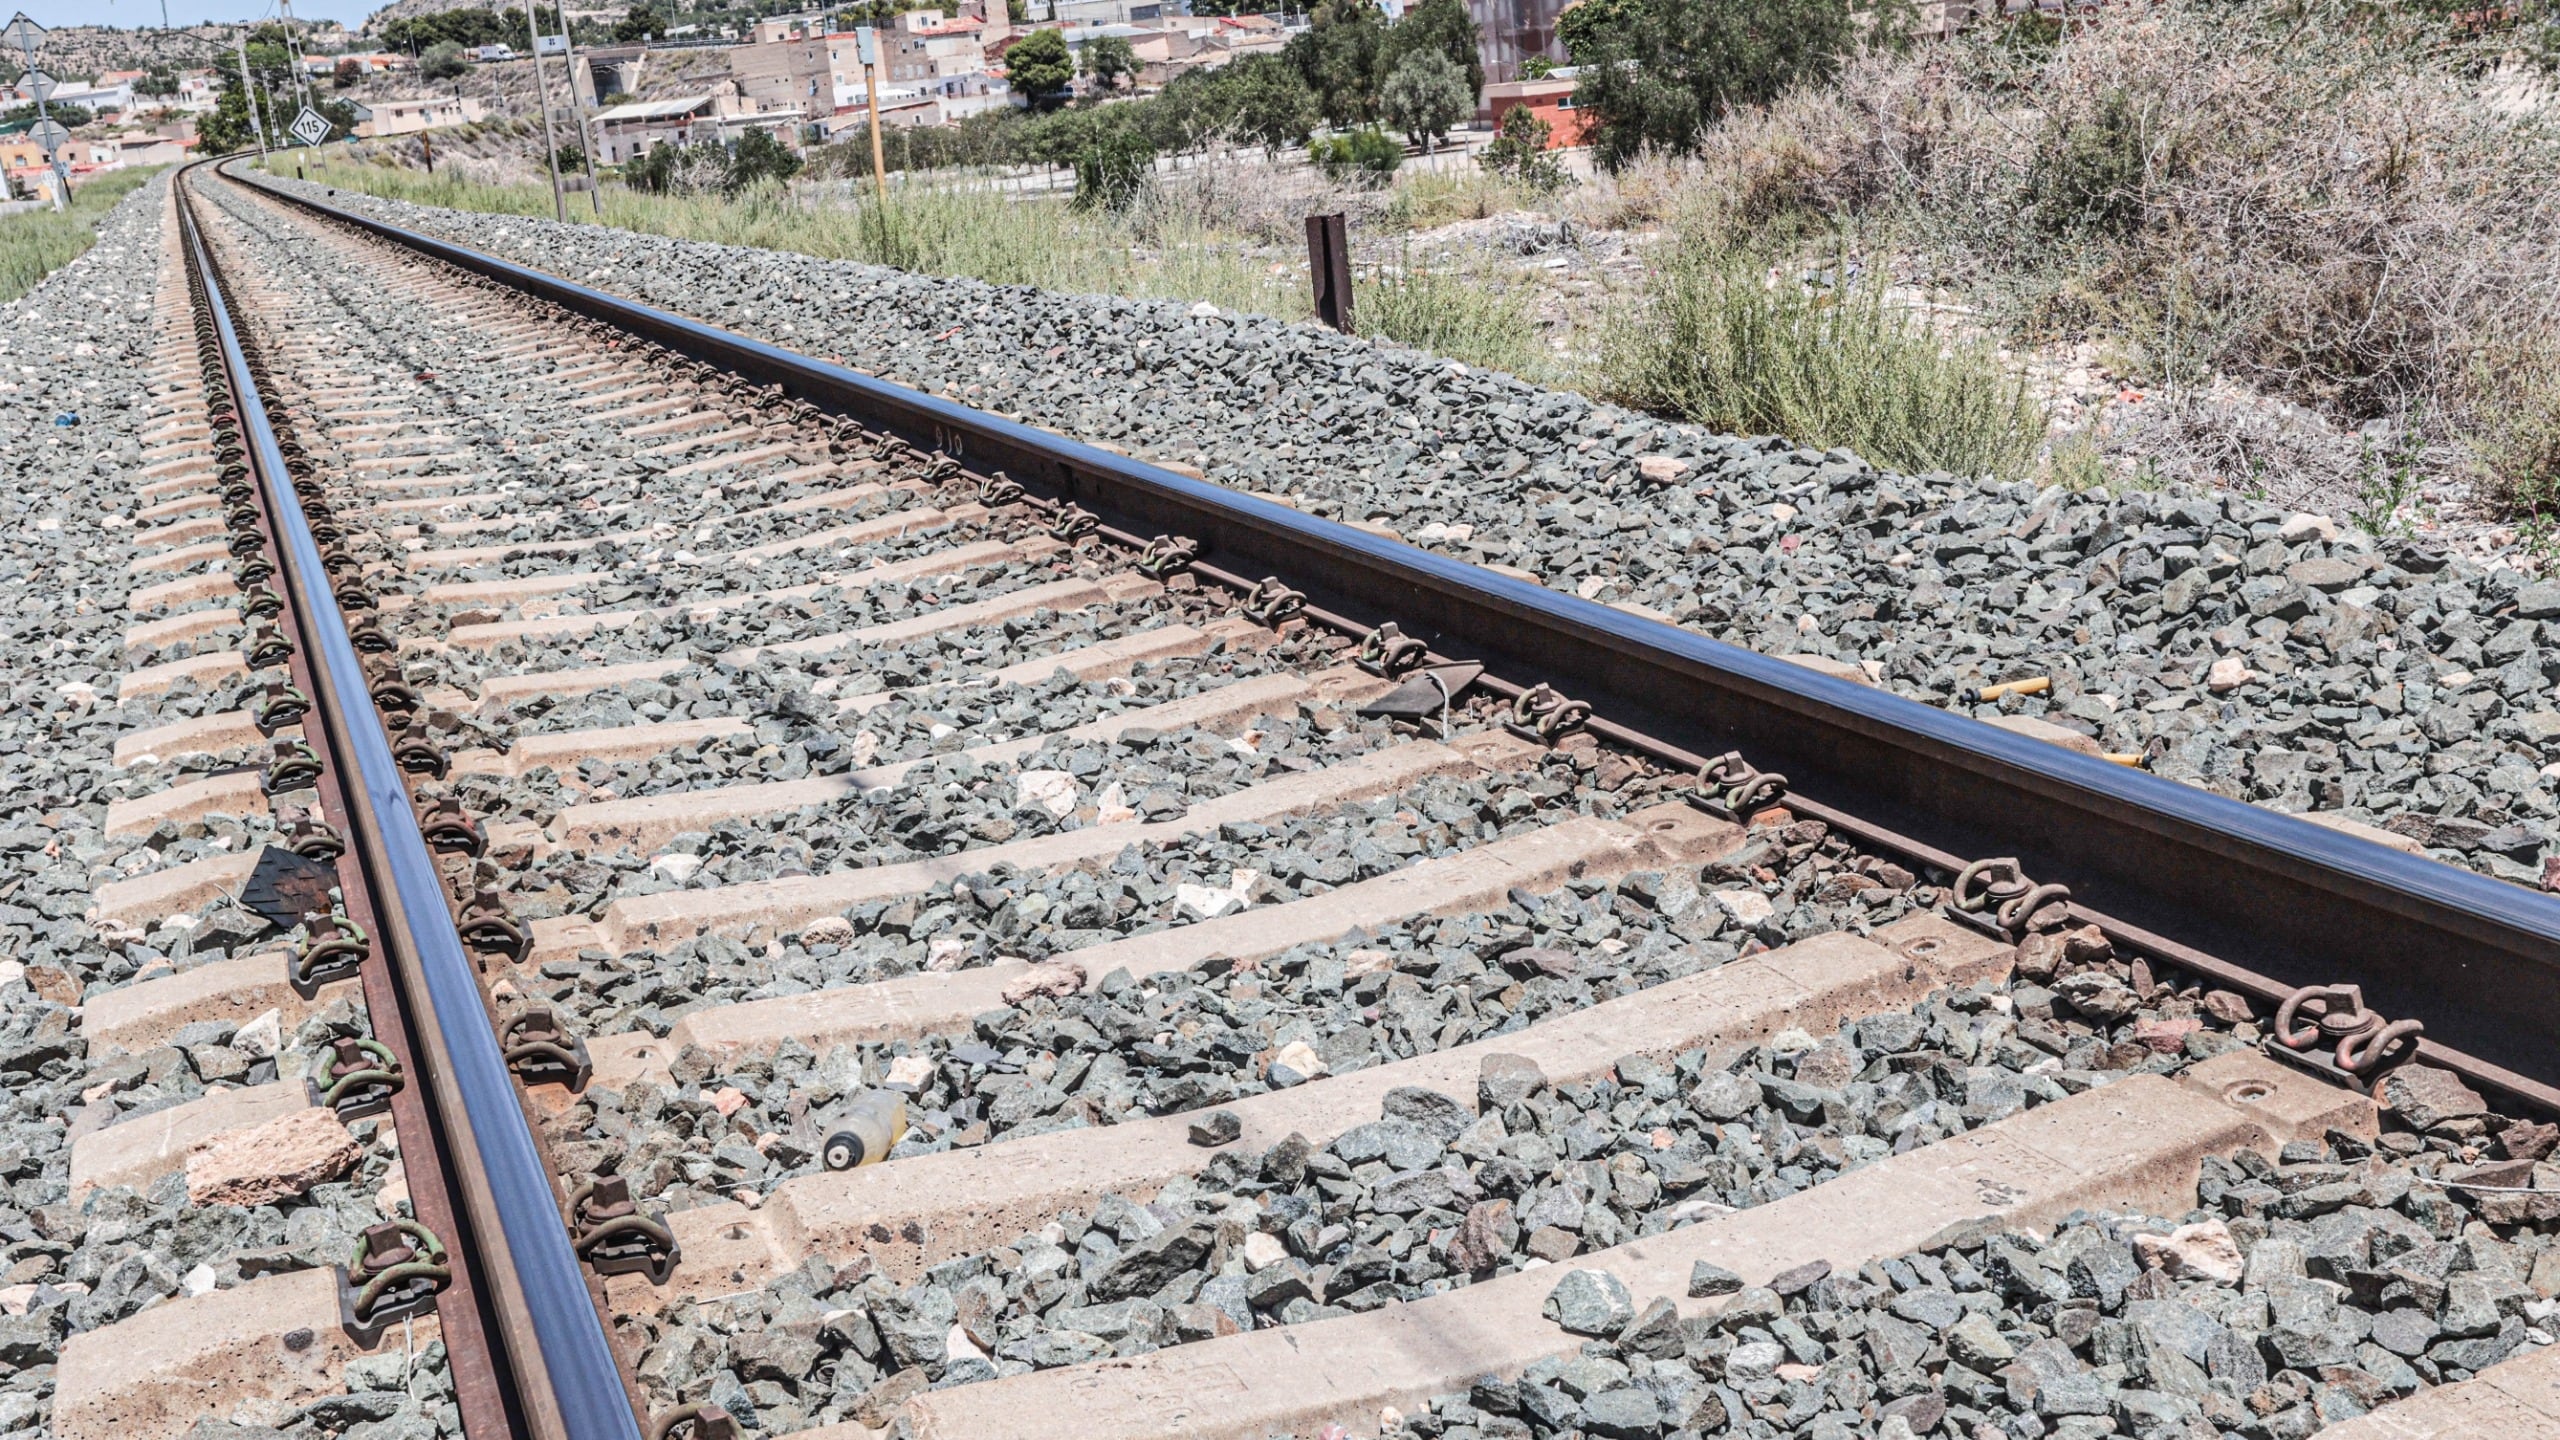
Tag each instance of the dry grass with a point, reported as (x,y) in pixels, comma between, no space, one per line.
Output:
(2330,205)
(1230,234)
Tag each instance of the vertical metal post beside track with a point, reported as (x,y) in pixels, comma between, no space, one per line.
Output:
(566,1384)
(1329,267)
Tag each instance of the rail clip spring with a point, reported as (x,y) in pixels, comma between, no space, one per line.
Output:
(2361,1045)
(1731,788)
(1996,895)
(397,1270)
(356,1077)
(613,1237)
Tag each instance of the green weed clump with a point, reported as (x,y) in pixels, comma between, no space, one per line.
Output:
(1456,314)
(35,243)
(1720,343)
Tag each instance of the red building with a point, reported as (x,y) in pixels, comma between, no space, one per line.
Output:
(1550,99)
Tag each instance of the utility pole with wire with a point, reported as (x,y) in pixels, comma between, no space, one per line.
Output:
(867,44)
(25,31)
(293,53)
(550,136)
(578,110)
(249,93)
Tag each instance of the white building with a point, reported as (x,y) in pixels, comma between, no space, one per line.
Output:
(627,132)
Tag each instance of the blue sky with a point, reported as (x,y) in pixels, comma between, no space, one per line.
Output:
(132,13)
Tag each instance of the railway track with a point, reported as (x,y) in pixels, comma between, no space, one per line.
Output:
(696,893)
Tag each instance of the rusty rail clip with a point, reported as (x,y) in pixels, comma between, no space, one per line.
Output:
(389,691)
(1273,604)
(449,828)
(1167,556)
(417,751)
(706,1420)
(396,1272)
(291,765)
(486,925)
(368,634)
(1542,715)
(268,645)
(253,569)
(1387,652)
(1997,898)
(999,490)
(2362,1046)
(1731,788)
(282,704)
(331,948)
(262,603)
(312,839)
(357,1077)
(1073,523)
(611,1234)
(541,1052)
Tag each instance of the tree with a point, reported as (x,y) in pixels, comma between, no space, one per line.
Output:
(69,117)
(1656,80)
(1038,65)
(1519,152)
(1442,26)
(444,60)
(1108,59)
(1112,170)
(759,158)
(645,22)
(1581,26)
(347,74)
(1425,96)
(161,80)
(470,28)
(227,128)
(1273,107)
(1337,54)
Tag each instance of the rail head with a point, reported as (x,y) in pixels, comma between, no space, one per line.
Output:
(569,1384)
(2287,901)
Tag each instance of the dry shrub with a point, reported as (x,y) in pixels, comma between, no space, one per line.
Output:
(2333,206)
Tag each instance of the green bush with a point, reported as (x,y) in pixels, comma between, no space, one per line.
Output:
(1456,315)
(1111,170)
(1368,155)
(708,167)
(1723,346)
(758,158)
(1519,153)
(2090,176)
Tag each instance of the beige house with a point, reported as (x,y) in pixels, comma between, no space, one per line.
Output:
(408,115)
(813,73)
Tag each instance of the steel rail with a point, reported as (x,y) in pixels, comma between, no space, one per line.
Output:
(566,1382)
(463,1310)
(2248,891)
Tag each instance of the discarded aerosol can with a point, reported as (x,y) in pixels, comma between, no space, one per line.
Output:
(864,1129)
